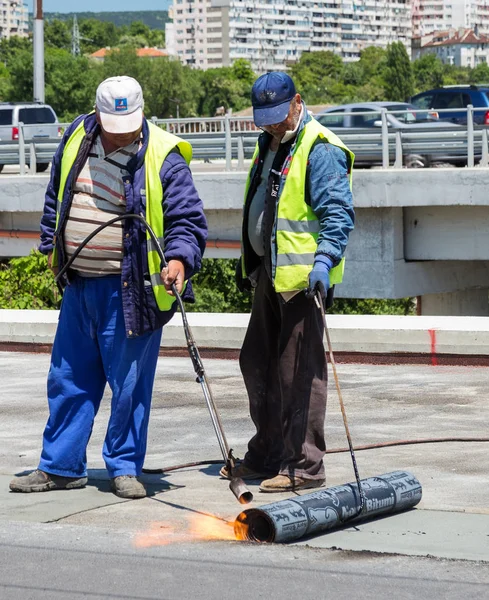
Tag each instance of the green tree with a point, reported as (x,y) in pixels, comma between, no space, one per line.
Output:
(398,73)
(316,65)
(315,75)
(139,28)
(10,48)
(229,87)
(167,83)
(5,83)
(21,75)
(480,74)
(57,34)
(372,62)
(132,41)
(163,80)
(453,75)
(428,72)
(156,38)
(242,70)
(98,34)
(353,74)
(140,35)
(71,83)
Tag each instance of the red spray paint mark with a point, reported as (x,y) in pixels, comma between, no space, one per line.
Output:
(434,360)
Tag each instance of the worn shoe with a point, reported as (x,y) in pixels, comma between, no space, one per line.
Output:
(40,481)
(127,486)
(284,483)
(243,472)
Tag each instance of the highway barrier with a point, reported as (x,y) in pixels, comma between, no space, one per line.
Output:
(233,138)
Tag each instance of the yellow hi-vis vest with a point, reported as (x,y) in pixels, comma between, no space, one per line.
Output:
(160,144)
(296,225)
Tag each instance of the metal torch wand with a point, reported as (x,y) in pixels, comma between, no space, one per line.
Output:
(237,485)
(320,305)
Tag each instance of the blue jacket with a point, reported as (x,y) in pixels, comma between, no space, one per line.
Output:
(184,222)
(327,192)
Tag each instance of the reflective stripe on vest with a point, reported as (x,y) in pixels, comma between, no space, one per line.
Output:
(160,144)
(296,225)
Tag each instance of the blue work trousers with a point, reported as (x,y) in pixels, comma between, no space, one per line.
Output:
(91,349)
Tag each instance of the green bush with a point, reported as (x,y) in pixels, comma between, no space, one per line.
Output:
(374,306)
(215,288)
(27,283)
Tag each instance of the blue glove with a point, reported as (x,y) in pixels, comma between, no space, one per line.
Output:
(319,276)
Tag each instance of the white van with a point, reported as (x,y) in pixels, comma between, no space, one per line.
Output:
(40,121)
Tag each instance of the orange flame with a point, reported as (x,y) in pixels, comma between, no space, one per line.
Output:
(197,528)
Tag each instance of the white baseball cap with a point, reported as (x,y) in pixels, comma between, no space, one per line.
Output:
(120,104)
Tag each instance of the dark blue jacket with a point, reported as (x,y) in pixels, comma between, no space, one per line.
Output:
(184,222)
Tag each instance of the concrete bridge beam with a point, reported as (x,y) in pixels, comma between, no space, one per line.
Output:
(474,303)
(419,232)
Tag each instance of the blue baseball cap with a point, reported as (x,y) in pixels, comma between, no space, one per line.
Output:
(270,96)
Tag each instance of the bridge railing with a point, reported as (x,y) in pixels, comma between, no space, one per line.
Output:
(233,140)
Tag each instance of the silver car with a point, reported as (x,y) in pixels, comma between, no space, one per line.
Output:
(39,123)
(418,150)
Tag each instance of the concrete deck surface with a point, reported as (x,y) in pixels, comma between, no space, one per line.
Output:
(383,403)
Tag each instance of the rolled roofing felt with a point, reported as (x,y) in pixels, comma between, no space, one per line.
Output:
(294,518)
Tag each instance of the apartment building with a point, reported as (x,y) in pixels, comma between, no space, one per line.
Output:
(13,19)
(443,15)
(199,34)
(272,34)
(462,47)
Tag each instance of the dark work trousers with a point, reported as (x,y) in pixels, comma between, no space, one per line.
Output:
(285,372)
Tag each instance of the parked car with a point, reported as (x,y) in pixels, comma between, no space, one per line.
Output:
(456,97)
(366,117)
(40,122)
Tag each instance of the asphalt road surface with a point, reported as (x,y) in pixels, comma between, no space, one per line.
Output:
(51,562)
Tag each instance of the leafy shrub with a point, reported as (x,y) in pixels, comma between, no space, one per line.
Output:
(27,283)
(215,289)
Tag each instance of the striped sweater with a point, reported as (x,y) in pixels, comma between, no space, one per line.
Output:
(99,196)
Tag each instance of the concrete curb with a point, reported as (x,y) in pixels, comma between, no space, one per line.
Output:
(366,334)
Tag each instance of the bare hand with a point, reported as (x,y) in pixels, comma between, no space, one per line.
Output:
(55,270)
(173,274)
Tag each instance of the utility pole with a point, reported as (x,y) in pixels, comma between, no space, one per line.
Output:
(38,52)
(75,42)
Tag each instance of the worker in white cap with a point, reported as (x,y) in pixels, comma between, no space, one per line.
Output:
(116,296)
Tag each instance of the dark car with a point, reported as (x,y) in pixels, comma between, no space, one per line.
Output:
(421,133)
(449,98)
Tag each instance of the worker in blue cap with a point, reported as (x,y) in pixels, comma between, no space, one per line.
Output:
(298,214)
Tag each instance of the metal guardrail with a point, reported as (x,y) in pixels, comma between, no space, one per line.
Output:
(28,151)
(232,138)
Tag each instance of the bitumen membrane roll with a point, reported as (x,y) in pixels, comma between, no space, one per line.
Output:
(328,508)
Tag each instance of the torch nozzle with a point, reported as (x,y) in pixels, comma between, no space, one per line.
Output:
(239,489)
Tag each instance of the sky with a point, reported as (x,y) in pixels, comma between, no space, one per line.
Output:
(99,6)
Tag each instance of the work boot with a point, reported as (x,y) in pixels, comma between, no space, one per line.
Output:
(284,483)
(127,486)
(40,481)
(243,472)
